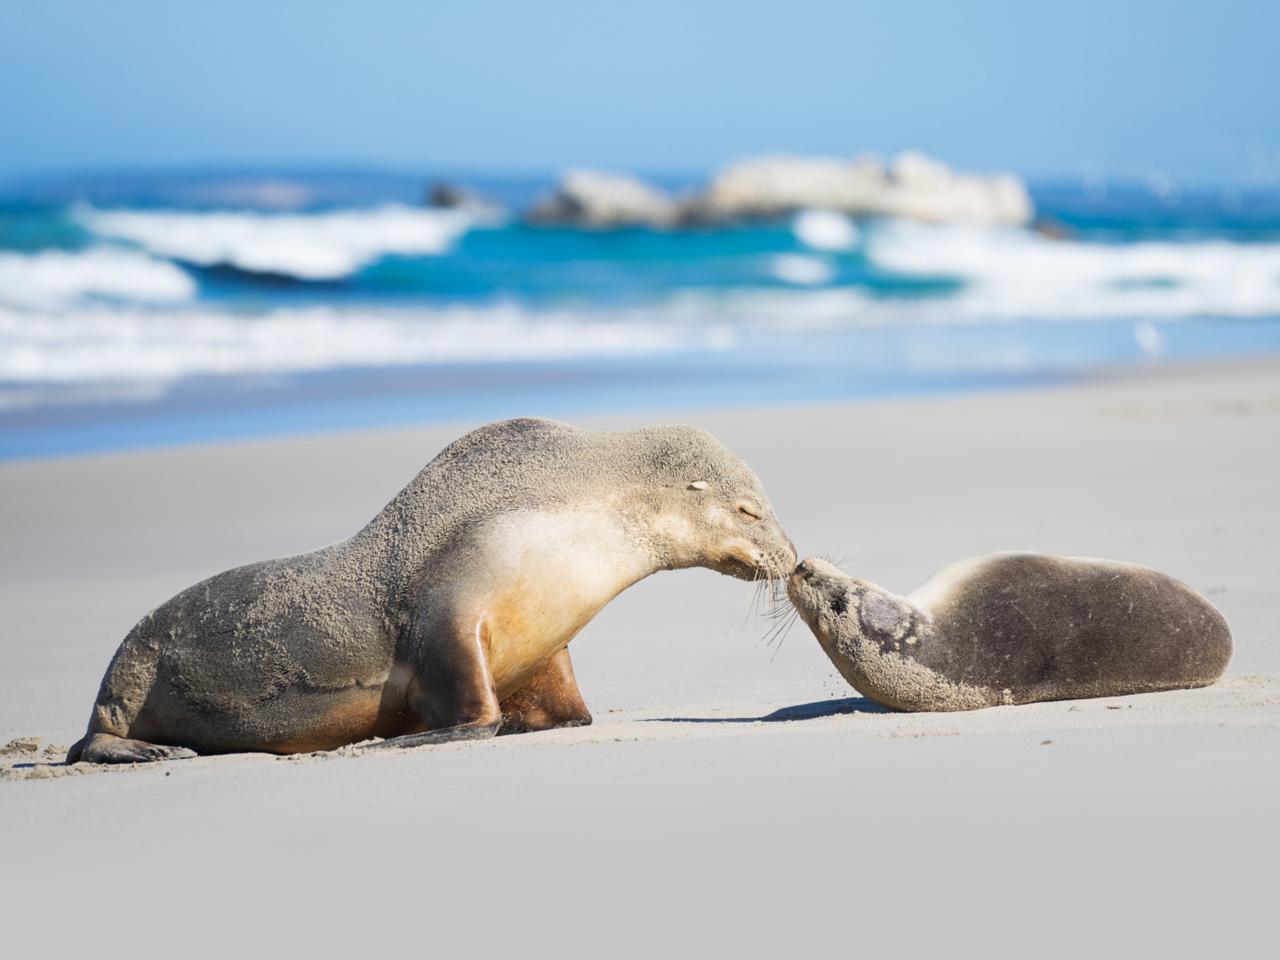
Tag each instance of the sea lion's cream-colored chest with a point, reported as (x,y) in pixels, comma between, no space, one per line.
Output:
(546,574)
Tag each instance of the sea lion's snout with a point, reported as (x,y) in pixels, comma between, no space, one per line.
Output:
(782,555)
(814,569)
(801,586)
(757,547)
(758,557)
(819,591)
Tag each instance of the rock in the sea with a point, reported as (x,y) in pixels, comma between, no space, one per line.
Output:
(924,189)
(447,196)
(778,186)
(588,198)
(914,187)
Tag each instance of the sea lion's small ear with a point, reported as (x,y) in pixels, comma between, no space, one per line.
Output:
(698,485)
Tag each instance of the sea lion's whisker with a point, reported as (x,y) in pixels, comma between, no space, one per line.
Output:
(775,606)
(752,605)
(780,628)
(767,639)
(838,559)
(762,593)
(788,623)
(782,636)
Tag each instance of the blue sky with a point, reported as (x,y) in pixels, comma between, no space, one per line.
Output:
(1116,88)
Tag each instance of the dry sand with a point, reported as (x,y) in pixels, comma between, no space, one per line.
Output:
(727,800)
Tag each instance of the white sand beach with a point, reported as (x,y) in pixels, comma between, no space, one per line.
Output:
(741,793)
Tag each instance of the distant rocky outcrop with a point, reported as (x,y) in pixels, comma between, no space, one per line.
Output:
(913,187)
(443,195)
(589,198)
(448,196)
(777,186)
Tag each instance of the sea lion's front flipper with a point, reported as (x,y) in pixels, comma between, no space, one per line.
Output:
(456,697)
(551,699)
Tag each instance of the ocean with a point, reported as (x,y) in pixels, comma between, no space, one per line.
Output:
(161,308)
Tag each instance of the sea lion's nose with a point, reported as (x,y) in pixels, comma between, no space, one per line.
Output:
(803,570)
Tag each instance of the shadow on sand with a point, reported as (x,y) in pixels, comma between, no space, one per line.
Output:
(801,711)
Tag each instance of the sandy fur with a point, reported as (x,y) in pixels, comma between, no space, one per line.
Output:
(933,649)
(518,532)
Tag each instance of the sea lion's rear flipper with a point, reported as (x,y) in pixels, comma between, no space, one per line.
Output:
(463,731)
(108,748)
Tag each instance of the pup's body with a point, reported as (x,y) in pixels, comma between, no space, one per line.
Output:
(1014,628)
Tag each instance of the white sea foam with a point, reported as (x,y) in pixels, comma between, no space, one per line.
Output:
(53,277)
(319,246)
(800,270)
(824,230)
(59,324)
(1015,274)
(104,344)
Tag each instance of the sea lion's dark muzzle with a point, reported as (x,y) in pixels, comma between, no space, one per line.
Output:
(810,583)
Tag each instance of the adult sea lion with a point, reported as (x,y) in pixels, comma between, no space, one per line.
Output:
(446,617)
(1013,628)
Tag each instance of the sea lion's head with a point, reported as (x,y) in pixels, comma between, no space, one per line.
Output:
(698,505)
(843,611)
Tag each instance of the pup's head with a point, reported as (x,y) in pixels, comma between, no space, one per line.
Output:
(840,609)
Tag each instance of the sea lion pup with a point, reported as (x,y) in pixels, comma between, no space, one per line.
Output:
(449,614)
(1013,628)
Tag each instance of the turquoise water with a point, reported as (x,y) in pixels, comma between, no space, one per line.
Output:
(139,311)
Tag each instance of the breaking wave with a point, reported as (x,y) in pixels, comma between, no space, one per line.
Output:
(1017,274)
(53,277)
(314,246)
(931,272)
(101,344)
(132,309)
